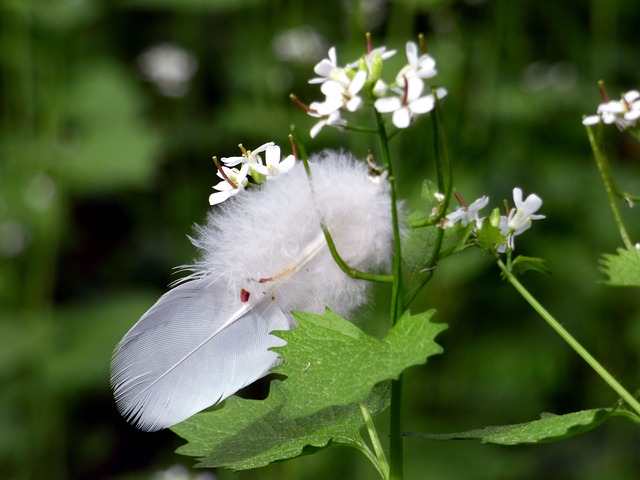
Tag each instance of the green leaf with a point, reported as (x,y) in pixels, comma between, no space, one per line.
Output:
(522,264)
(622,269)
(489,236)
(426,204)
(418,243)
(329,361)
(246,434)
(550,428)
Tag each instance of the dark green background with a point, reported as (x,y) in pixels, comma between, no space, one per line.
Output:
(101,178)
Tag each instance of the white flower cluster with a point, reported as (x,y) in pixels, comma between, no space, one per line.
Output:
(234,174)
(359,83)
(516,221)
(624,112)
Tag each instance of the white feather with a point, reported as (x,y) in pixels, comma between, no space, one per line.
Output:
(263,255)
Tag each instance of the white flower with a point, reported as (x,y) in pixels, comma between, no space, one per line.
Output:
(333,120)
(519,218)
(225,188)
(624,112)
(339,95)
(328,69)
(423,66)
(251,157)
(169,67)
(467,214)
(275,164)
(410,105)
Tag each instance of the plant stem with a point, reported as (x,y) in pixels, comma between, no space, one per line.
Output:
(397,307)
(609,185)
(567,337)
(352,272)
(382,464)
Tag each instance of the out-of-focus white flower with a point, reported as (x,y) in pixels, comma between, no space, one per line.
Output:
(624,112)
(519,218)
(302,44)
(467,214)
(180,472)
(169,67)
(411,104)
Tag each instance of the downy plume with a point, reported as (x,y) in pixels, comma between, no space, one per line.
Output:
(263,255)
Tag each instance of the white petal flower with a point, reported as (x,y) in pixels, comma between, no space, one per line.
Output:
(251,157)
(328,69)
(333,120)
(225,189)
(519,218)
(423,66)
(275,164)
(623,113)
(411,104)
(467,214)
(339,95)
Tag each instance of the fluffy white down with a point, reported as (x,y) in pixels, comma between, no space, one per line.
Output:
(257,235)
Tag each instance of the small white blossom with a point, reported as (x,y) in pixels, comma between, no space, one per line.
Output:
(328,69)
(225,189)
(467,214)
(423,66)
(519,218)
(623,113)
(339,95)
(274,163)
(251,157)
(333,120)
(410,104)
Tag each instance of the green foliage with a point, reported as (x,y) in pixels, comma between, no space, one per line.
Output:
(623,268)
(523,264)
(489,236)
(330,366)
(329,361)
(420,243)
(550,428)
(512,115)
(246,434)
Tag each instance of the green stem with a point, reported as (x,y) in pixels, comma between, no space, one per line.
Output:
(610,187)
(352,272)
(397,307)
(445,184)
(382,464)
(567,337)
(366,451)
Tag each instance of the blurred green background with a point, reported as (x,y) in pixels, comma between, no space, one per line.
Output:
(111,111)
